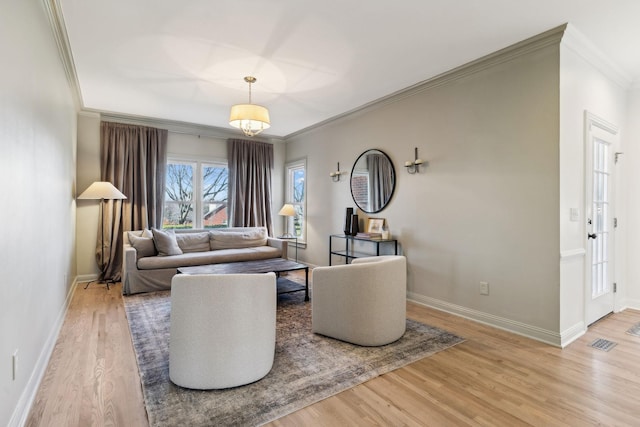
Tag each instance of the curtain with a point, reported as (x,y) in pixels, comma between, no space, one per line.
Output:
(380,181)
(133,158)
(250,166)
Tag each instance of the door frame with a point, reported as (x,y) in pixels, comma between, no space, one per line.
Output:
(592,121)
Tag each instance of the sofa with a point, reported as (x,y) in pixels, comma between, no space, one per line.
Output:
(152,257)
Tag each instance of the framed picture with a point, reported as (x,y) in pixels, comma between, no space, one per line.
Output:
(374,225)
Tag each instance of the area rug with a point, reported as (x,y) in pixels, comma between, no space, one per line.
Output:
(307,367)
(634,330)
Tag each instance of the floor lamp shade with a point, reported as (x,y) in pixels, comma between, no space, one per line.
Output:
(102,190)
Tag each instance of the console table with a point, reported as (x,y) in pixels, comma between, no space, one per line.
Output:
(348,250)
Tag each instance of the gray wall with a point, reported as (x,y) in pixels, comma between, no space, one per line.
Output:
(37,173)
(504,137)
(485,209)
(207,146)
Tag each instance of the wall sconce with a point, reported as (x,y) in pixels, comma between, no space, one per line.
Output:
(335,176)
(414,166)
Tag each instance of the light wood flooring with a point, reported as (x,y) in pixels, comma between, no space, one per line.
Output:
(494,378)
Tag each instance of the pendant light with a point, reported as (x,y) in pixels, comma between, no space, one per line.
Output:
(250,118)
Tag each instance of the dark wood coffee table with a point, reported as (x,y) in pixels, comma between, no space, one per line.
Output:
(276,265)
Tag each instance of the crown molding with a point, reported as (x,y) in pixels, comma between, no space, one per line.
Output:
(582,46)
(56,20)
(175,126)
(548,38)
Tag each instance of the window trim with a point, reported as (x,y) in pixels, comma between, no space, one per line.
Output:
(289,167)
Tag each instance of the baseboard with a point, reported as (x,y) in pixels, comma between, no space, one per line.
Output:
(83,278)
(21,411)
(573,333)
(631,303)
(533,332)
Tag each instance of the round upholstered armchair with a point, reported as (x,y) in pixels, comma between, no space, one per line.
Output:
(223,329)
(364,302)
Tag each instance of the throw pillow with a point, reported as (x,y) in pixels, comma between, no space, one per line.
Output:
(193,242)
(143,243)
(249,238)
(165,242)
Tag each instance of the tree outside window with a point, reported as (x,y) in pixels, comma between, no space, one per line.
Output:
(186,179)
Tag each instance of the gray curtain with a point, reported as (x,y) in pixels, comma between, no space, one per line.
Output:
(380,180)
(250,167)
(133,158)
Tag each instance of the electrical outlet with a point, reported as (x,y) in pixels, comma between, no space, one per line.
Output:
(484,288)
(14,365)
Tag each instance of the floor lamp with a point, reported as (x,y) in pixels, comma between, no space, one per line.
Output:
(101,190)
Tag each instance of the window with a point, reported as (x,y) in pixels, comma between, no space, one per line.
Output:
(195,194)
(296,194)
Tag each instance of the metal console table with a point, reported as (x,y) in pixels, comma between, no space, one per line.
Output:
(349,251)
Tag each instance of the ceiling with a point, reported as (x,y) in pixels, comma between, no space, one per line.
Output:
(313,60)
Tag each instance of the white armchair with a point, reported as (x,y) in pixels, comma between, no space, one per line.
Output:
(223,329)
(364,302)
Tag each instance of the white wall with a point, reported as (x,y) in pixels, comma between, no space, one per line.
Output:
(631,161)
(178,144)
(486,207)
(585,86)
(37,172)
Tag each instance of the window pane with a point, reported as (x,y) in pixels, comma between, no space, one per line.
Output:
(215,180)
(178,199)
(215,184)
(177,215)
(298,185)
(298,221)
(179,182)
(214,215)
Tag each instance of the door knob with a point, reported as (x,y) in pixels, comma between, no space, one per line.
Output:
(592,236)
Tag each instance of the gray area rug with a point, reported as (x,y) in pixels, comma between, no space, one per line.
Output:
(307,367)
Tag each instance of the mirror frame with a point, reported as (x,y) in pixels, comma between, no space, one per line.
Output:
(393,187)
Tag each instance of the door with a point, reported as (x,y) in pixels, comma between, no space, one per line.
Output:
(599,148)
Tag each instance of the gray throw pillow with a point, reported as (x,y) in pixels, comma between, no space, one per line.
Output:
(165,242)
(143,244)
(248,238)
(193,242)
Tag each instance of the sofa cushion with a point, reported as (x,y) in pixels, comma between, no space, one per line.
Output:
(211,257)
(193,242)
(237,239)
(143,243)
(166,242)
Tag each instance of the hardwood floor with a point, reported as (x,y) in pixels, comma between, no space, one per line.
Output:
(92,377)
(494,378)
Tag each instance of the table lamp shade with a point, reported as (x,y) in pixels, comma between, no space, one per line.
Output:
(287,210)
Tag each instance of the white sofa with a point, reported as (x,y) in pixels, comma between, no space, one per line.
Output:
(364,302)
(151,259)
(223,329)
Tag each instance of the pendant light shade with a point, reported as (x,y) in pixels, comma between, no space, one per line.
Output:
(250,118)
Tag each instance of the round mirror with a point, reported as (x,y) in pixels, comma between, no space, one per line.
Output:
(373,180)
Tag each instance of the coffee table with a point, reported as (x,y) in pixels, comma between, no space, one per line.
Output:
(276,265)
